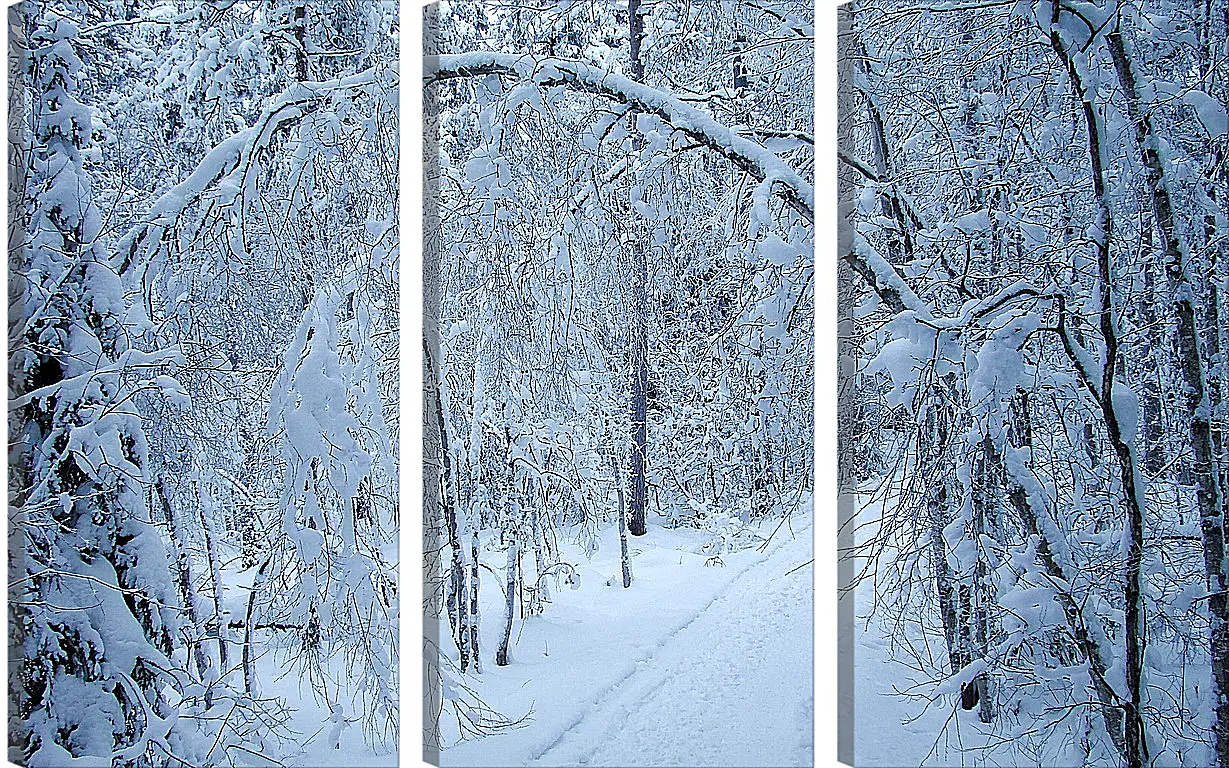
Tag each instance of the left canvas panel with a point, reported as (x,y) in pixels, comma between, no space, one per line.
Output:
(203,377)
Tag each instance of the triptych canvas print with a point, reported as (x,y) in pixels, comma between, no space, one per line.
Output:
(623,491)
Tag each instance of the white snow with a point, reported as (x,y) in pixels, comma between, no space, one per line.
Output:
(695,664)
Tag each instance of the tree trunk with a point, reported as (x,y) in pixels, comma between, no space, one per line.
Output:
(936,511)
(1037,523)
(931,439)
(624,557)
(1153,439)
(455,601)
(501,655)
(900,248)
(249,669)
(215,574)
(1103,393)
(1216,335)
(187,591)
(985,491)
(640,344)
(541,590)
(1210,505)
(299,27)
(474,583)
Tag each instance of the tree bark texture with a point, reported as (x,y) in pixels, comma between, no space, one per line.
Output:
(1207,493)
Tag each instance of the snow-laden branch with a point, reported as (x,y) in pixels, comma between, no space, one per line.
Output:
(746,154)
(128,360)
(883,278)
(226,169)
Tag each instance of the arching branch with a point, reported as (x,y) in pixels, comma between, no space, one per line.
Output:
(223,173)
(744,153)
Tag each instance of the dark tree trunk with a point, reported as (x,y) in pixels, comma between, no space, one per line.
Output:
(1150,391)
(1102,392)
(640,344)
(931,443)
(187,591)
(1207,492)
(299,26)
(455,601)
(474,583)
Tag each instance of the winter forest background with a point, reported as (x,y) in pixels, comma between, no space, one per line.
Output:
(618,289)
(1033,381)
(203,382)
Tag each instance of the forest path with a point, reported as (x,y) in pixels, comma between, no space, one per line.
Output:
(731,687)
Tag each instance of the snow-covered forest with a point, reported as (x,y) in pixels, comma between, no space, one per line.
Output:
(203,373)
(1032,411)
(618,377)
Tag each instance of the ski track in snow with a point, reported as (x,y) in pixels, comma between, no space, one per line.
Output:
(729,686)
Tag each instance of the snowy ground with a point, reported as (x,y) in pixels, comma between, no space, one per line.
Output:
(316,737)
(694,665)
(892,728)
(323,740)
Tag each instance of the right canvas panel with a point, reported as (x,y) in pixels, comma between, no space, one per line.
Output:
(1031,408)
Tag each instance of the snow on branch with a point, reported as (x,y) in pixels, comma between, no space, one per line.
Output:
(746,154)
(883,278)
(225,170)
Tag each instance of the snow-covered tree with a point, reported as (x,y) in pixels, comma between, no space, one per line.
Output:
(1026,331)
(203,328)
(93,614)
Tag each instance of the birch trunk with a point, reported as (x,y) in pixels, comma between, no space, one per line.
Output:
(931,440)
(249,669)
(1102,392)
(215,574)
(985,491)
(187,590)
(624,557)
(455,601)
(501,654)
(474,583)
(1210,505)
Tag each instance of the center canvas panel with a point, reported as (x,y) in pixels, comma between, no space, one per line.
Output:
(619,298)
